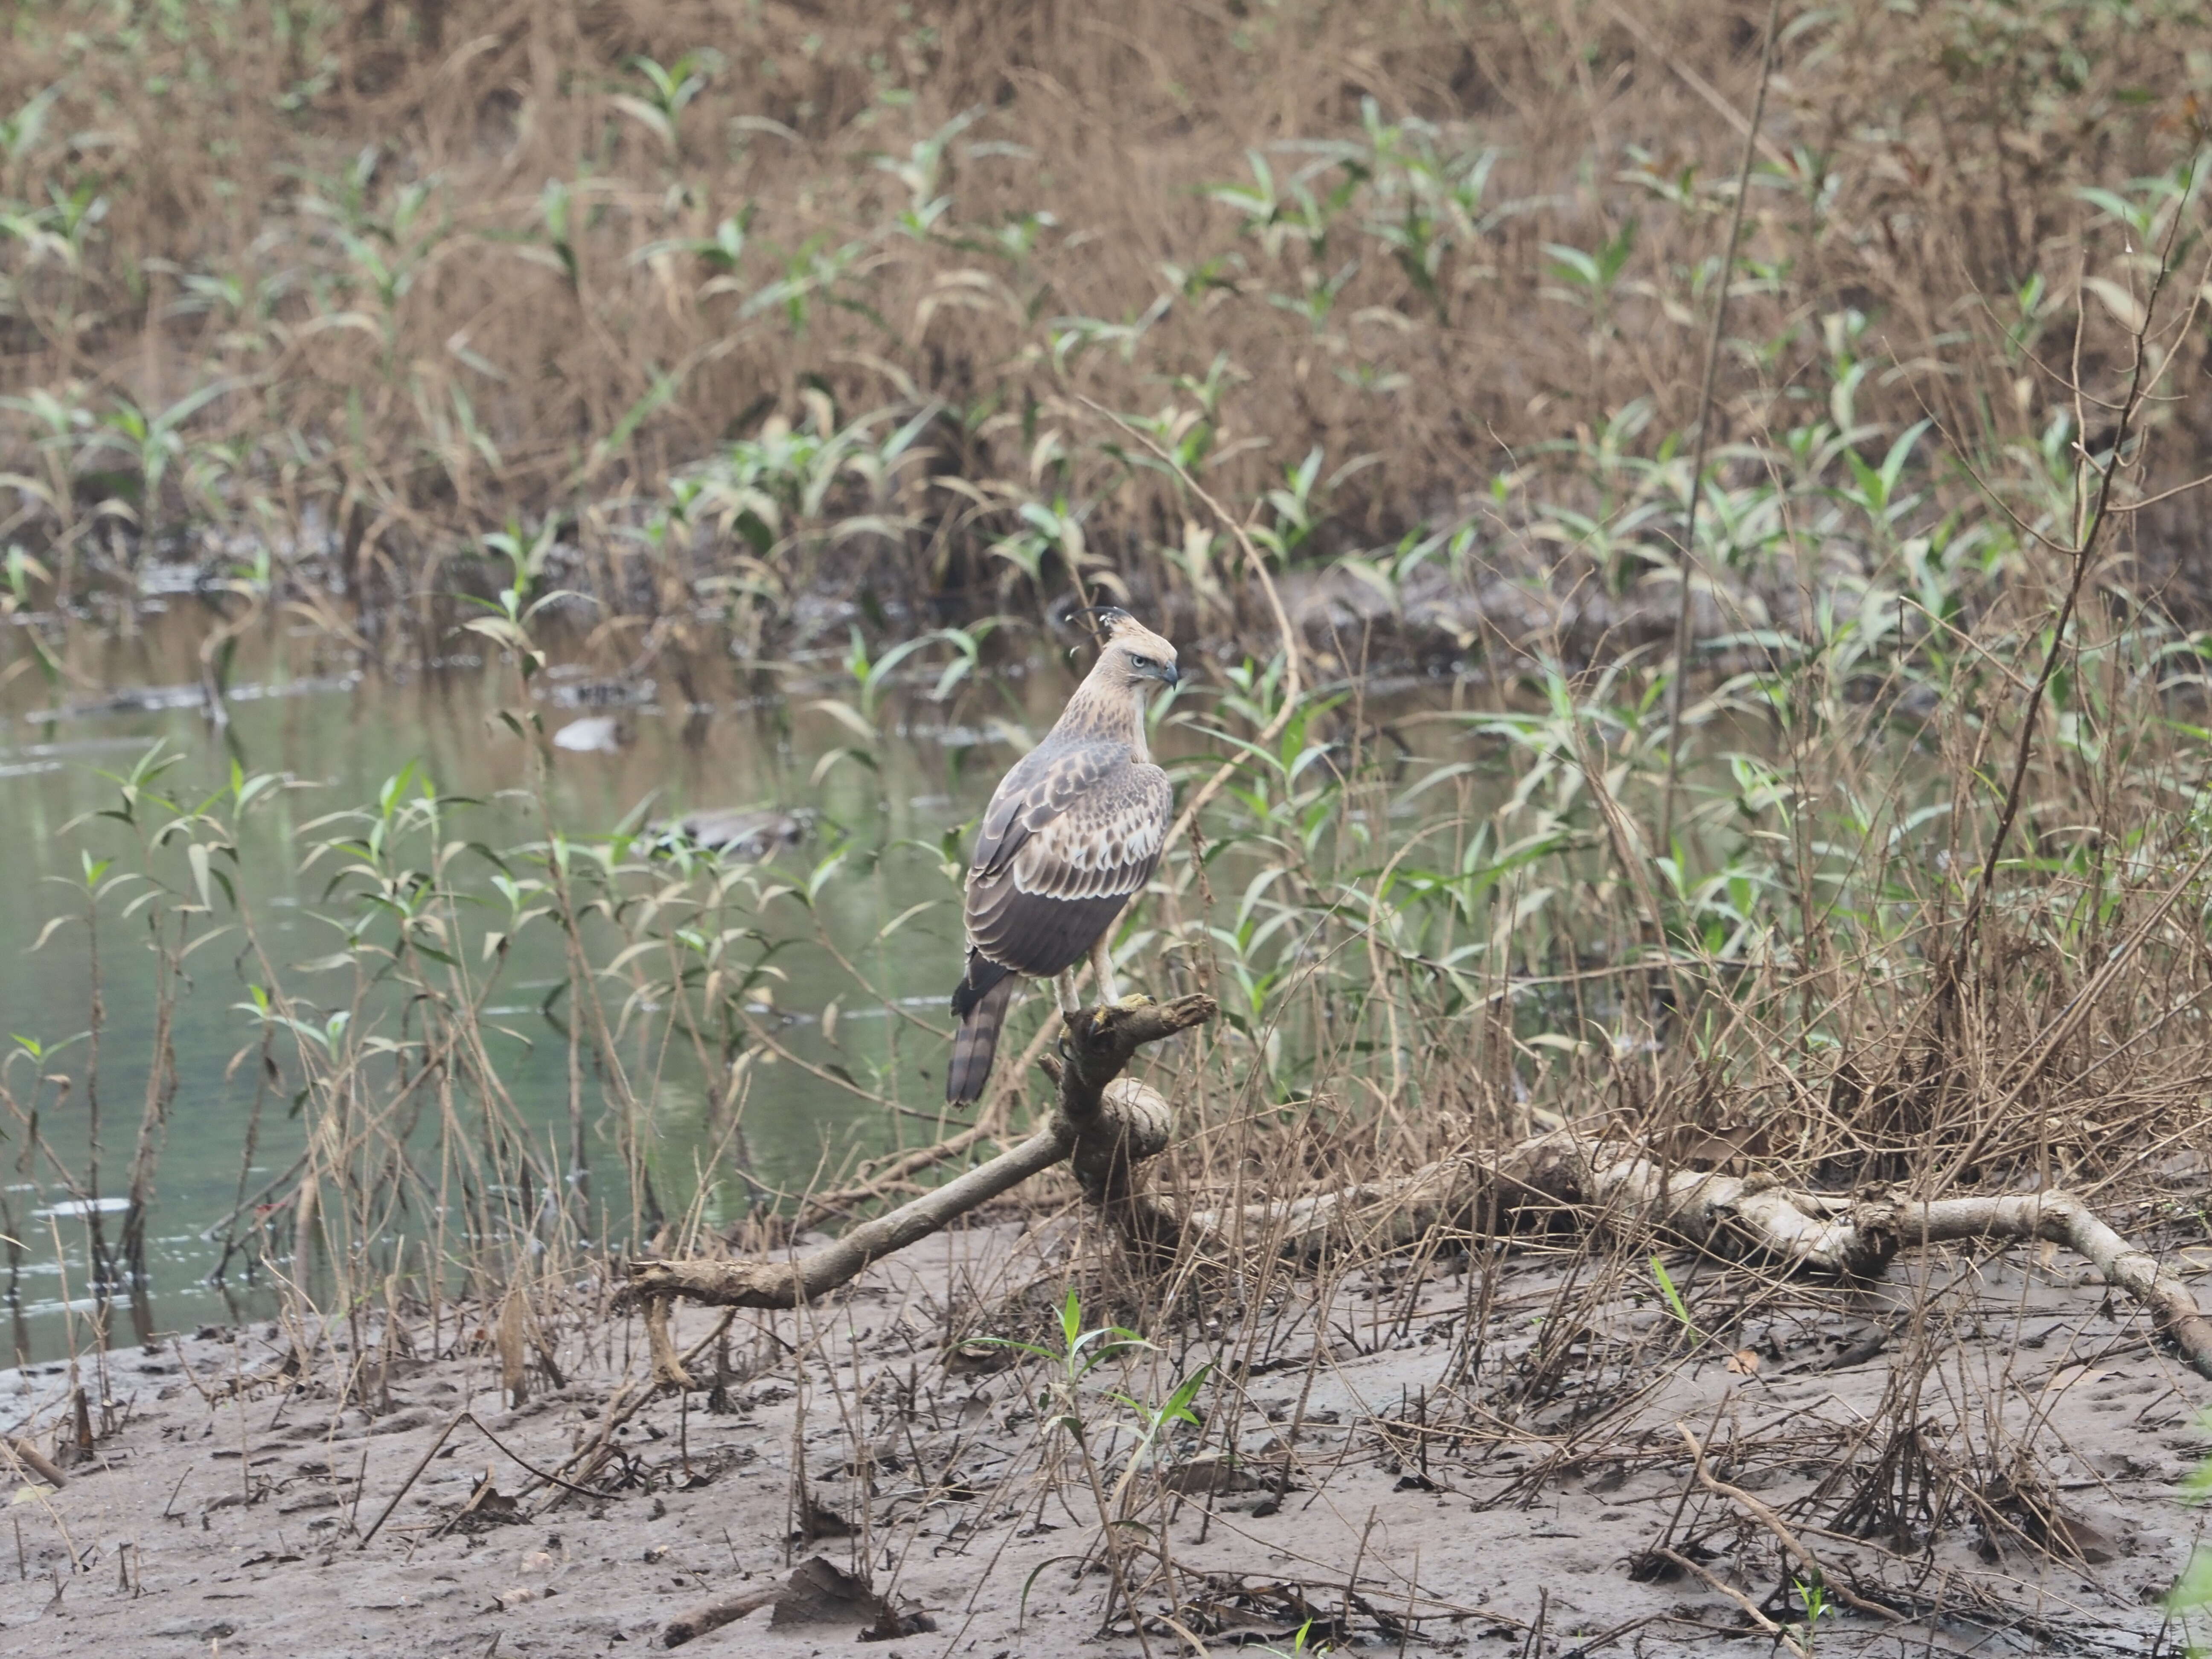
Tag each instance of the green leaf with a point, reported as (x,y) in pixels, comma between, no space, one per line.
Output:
(1674,1297)
(905,916)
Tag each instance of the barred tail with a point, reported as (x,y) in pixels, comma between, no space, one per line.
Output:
(976,1042)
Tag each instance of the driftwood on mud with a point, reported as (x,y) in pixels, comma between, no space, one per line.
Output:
(713,1615)
(1106,1126)
(35,1462)
(1611,1183)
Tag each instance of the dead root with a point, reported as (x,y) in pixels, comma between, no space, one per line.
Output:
(1609,1182)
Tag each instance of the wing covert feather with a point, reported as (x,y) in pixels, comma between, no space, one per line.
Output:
(1068,838)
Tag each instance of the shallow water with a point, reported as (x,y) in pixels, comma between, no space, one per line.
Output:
(748,740)
(346,733)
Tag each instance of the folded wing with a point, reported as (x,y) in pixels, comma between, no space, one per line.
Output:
(1067,840)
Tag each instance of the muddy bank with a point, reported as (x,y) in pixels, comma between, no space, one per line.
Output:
(1409,1461)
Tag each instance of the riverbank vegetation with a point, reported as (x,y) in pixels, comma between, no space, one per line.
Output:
(706,310)
(1806,801)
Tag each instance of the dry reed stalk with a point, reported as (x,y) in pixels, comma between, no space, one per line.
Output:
(1678,685)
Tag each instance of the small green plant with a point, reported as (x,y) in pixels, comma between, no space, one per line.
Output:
(1155,1422)
(1673,1296)
(1813,1596)
(1081,1353)
(669,92)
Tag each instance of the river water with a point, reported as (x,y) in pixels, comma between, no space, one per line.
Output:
(346,733)
(299,707)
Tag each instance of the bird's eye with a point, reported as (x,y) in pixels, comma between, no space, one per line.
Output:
(1136,661)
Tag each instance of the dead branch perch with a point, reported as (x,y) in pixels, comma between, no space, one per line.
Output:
(880,1173)
(1105,1126)
(802,1279)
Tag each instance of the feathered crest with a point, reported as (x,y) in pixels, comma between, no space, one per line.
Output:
(1105,621)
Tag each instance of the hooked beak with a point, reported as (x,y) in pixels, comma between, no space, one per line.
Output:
(1171,674)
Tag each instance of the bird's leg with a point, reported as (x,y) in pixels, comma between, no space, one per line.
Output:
(1069,1002)
(1102,959)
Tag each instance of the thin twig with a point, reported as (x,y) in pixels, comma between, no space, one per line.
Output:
(415,1474)
(1770,1518)
(1703,441)
(2088,535)
(1781,1633)
(1698,83)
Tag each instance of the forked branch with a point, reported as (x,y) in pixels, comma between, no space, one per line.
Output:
(1105,1125)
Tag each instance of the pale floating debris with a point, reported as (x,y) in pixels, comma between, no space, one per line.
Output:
(46,1310)
(140,700)
(77,1206)
(157,578)
(306,686)
(605,694)
(599,734)
(749,832)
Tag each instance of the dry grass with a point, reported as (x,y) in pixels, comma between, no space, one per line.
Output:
(453,269)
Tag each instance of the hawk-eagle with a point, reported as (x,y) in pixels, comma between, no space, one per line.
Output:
(1071,835)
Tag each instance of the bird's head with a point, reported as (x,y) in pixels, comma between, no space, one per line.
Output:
(1130,654)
